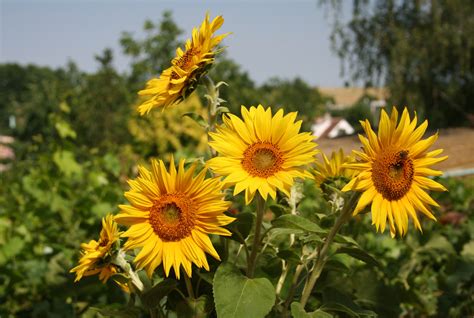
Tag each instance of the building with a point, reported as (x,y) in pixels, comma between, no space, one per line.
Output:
(331,127)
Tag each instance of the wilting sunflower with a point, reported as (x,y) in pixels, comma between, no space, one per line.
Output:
(394,170)
(171,215)
(180,80)
(331,169)
(261,152)
(96,255)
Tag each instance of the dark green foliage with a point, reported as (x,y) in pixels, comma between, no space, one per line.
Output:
(51,202)
(74,153)
(294,95)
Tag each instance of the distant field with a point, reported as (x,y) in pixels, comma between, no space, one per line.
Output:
(458,144)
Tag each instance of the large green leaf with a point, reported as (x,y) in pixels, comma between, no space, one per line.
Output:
(292,221)
(236,295)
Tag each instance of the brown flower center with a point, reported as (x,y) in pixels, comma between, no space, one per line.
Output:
(392,174)
(172,217)
(103,242)
(262,159)
(184,61)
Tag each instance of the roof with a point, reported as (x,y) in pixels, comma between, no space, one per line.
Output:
(348,96)
(324,128)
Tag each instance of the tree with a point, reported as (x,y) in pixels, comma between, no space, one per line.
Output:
(422,50)
(101,106)
(294,95)
(151,55)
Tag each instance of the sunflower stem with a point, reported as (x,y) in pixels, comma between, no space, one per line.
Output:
(120,261)
(189,286)
(211,109)
(322,254)
(252,261)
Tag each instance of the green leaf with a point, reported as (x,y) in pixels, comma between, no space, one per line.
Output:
(439,243)
(278,209)
(66,163)
(102,208)
(297,311)
(275,232)
(336,265)
(359,254)
(468,251)
(152,297)
(221,83)
(64,130)
(242,226)
(112,164)
(291,221)
(333,300)
(236,295)
(197,118)
(222,110)
(12,248)
(345,239)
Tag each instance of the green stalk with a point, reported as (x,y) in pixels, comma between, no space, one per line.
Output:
(252,261)
(189,287)
(121,262)
(322,257)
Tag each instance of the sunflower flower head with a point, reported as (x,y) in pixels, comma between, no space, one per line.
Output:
(181,78)
(170,216)
(261,152)
(394,167)
(332,171)
(97,255)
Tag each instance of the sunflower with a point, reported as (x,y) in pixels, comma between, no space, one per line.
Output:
(329,170)
(96,255)
(394,170)
(261,152)
(171,215)
(180,80)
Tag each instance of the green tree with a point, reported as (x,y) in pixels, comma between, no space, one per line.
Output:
(294,95)
(422,50)
(101,106)
(241,89)
(29,93)
(151,55)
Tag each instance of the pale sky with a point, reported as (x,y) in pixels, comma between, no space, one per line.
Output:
(270,38)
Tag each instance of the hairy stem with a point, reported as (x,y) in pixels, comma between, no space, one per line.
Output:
(322,257)
(189,286)
(120,261)
(252,261)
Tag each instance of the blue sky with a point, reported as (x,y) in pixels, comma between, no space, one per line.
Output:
(270,38)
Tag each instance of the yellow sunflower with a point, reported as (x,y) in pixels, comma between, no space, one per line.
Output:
(96,255)
(179,80)
(261,152)
(334,168)
(394,170)
(170,216)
